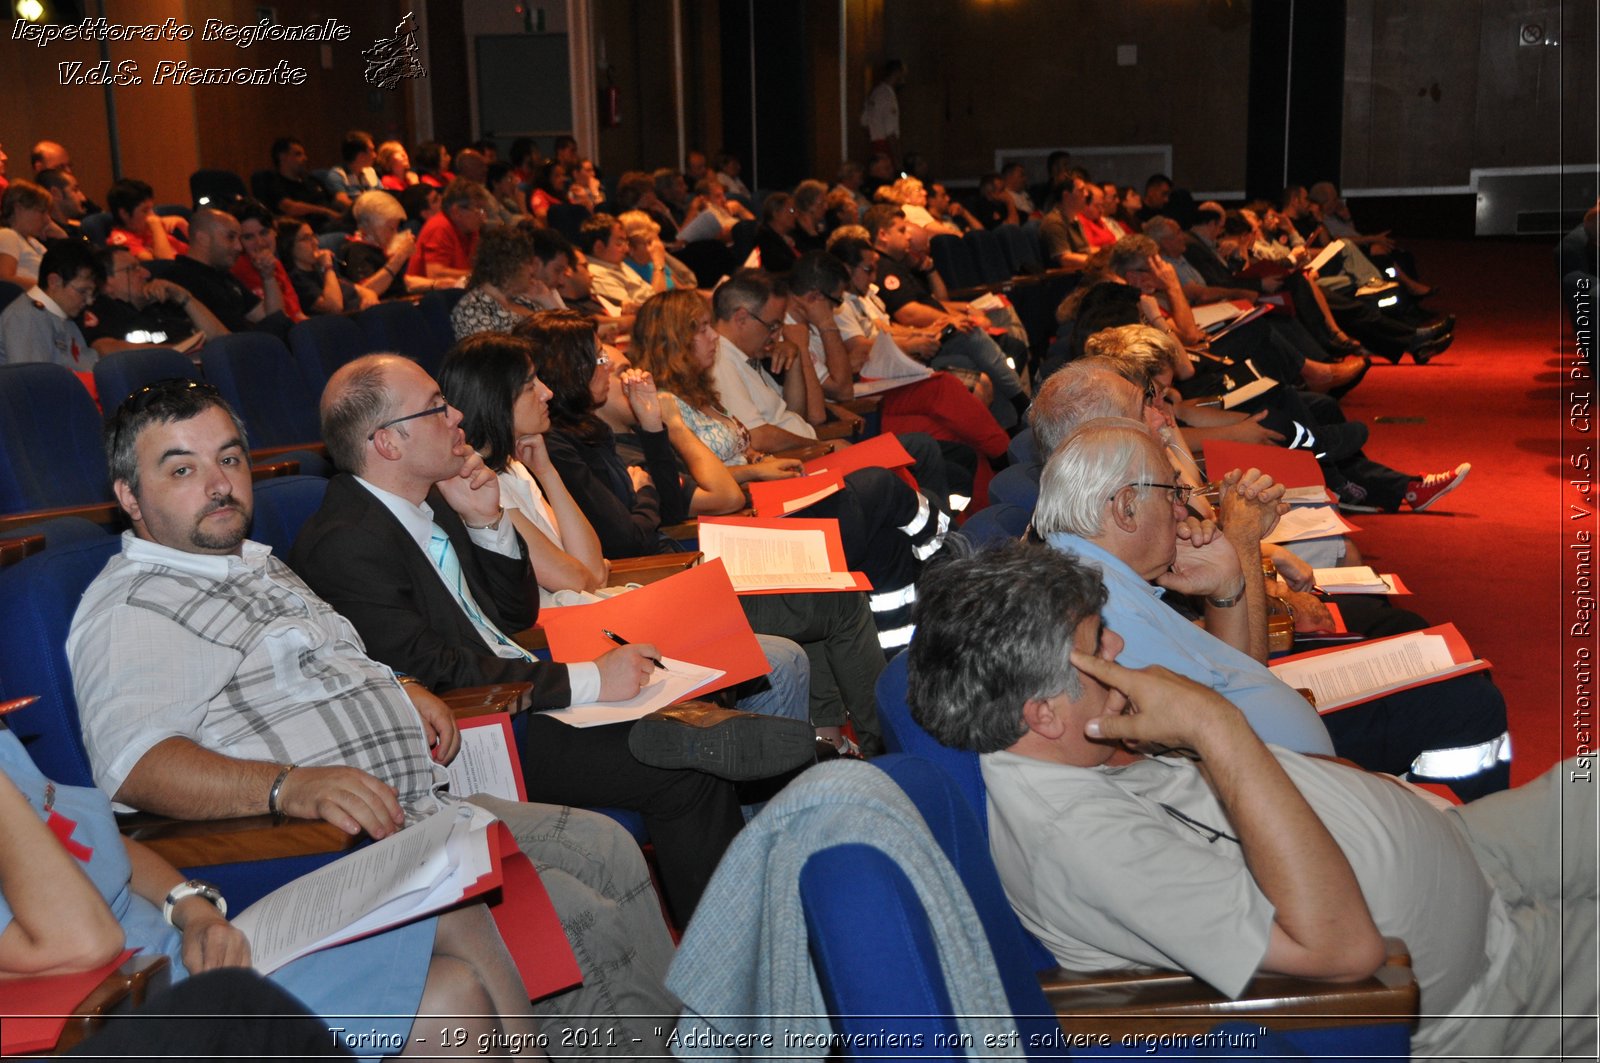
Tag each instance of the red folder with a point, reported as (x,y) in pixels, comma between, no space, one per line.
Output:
(1292,468)
(35,1010)
(692,615)
(1460,653)
(779,498)
(526,918)
(880,452)
(828,526)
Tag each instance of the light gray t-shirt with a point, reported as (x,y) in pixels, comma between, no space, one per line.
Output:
(1137,866)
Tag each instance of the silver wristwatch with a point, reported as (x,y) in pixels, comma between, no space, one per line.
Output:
(193,888)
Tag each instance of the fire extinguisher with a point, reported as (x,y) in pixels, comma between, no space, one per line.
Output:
(610,103)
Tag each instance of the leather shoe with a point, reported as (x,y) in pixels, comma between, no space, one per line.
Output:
(1425,353)
(1325,377)
(721,742)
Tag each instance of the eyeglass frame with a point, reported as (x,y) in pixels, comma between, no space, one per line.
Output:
(1181,493)
(443,407)
(772,327)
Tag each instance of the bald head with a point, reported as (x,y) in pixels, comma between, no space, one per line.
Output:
(48,155)
(355,402)
(1079,392)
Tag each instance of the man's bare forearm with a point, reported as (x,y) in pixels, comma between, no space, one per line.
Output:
(180,779)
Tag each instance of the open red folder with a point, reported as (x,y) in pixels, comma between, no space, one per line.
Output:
(1292,468)
(522,909)
(526,918)
(880,452)
(1352,675)
(692,615)
(34,1011)
(779,498)
(832,543)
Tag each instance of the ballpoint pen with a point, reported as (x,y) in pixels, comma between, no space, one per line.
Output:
(620,641)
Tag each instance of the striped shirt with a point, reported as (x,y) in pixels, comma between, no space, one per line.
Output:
(238,655)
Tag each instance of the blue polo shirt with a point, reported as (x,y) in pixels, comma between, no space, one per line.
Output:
(1155,634)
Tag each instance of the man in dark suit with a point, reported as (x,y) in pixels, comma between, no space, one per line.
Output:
(411,547)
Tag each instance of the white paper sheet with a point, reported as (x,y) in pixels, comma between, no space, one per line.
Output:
(1351,674)
(770,557)
(1352,579)
(1306,522)
(418,870)
(672,683)
(1245,392)
(1325,255)
(483,766)
(888,362)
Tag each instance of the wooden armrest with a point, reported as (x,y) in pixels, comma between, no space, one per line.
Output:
(108,513)
(866,406)
(1117,1002)
(532,639)
(652,567)
(484,700)
(689,529)
(274,470)
(122,991)
(836,430)
(318,448)
(205,842)
(809,452)
(14,550)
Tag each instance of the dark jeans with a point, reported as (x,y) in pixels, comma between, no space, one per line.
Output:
(691,816)
(839,638)
(1388,734)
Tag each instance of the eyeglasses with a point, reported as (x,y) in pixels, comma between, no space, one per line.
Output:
(834,299)
(131,267)
(770,326)
(150,394)
(444,404)
(1180,492)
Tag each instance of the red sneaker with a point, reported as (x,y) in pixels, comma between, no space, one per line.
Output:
(1420,494)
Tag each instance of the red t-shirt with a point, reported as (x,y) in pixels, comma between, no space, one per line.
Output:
(138,244)
(442,243)
(246,272)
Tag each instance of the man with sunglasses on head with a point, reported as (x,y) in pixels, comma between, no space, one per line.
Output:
(211,683)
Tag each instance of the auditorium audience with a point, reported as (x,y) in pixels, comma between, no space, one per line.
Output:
(67,202)
(447,240)
(394,166)
(317,285)
(24,220)
(356,172)
(41,325)
(290,189)
(133,310)
(257,266)
(136,225)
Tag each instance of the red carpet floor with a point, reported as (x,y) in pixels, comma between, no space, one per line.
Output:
(1488,556)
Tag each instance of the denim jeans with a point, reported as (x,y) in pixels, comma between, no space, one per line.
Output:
(597,880)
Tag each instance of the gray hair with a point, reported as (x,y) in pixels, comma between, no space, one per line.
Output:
(1132,252)
(1160,226)
(371,209)
(354,403)
(1098,460)
(993,630)
(1076,393)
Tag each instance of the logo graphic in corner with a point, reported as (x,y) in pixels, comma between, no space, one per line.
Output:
(391,59)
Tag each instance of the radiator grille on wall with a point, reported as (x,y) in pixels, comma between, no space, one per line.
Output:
(1532,201)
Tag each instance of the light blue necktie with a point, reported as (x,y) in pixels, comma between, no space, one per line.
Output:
(442,552)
